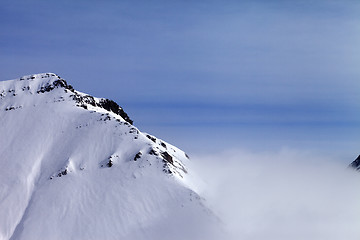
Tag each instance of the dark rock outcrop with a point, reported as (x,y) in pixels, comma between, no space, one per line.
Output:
(82,100)
(151,138)
(356,164)
(112,106)
(137,156)
(167,157)
(58,83)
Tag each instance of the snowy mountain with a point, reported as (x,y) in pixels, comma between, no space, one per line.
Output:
(73,166)
(356,164)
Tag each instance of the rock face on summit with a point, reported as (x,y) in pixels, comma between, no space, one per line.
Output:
(356,164)
(72,166)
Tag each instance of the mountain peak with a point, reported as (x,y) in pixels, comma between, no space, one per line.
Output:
(49,93)
(39,76)
(97,175)
(34,83)
(47,82)
(356,164)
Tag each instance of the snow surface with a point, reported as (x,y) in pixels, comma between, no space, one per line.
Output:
(68,171)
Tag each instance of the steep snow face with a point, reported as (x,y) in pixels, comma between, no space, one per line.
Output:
(73,166)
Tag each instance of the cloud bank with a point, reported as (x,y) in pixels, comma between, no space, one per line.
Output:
(283,195)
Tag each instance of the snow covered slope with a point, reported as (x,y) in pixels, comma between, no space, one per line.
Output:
(73,166)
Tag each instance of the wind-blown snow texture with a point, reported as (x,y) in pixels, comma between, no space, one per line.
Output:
(74,167)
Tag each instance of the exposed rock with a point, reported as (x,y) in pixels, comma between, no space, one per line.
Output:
(62,172)
(112,106)
(106,104)
(81,100)
(167,157)
(58,83)
(356,164)
(110,163)
(163,145)
(152,152)
(137,156)
(151,138)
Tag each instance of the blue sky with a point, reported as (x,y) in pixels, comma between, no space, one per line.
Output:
(204,75)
